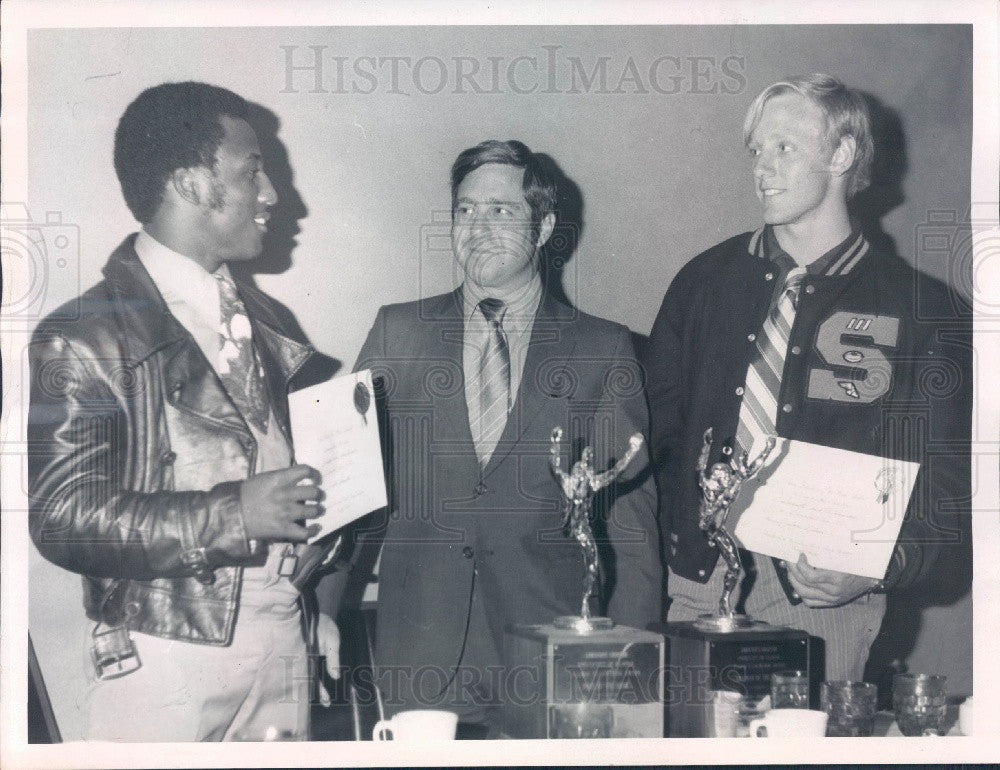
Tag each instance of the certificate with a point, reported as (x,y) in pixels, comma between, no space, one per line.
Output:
(842,509)
(335,430)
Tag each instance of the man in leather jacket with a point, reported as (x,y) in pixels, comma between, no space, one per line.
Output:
(161,462)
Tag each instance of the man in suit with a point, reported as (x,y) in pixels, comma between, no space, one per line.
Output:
(474,383)
(806,331)
(161,462)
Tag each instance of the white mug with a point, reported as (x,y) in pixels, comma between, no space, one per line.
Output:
(965,716)
(420,725)
(790,723)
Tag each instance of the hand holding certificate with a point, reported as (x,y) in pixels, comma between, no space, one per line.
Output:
(842,509)
(335,430)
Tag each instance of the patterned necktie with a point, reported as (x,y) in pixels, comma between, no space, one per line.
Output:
(239,365)
(759,410)
(494,383)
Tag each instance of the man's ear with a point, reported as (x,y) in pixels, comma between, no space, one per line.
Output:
(843,155)
(545,229)
(187,183)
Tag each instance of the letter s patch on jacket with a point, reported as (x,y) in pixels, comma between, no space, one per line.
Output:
(846,342)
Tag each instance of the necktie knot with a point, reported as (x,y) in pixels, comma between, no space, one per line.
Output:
(493,310)
(793,284)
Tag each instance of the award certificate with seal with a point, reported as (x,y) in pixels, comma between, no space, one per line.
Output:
(335,428)
(842,509)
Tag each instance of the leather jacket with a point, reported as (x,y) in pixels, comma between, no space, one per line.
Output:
(136,454)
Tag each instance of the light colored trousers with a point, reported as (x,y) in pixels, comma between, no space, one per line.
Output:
(255,689)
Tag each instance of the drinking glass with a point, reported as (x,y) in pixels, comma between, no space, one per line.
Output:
(920,703)
(790,690)
(850,708)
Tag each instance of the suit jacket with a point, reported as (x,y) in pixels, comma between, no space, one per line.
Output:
(137,453)
(450,531)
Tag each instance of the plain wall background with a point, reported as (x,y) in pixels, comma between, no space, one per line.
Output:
(364,176)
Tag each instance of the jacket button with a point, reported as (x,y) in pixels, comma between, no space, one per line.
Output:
(751,336)
(769,277)
(701,573)
(167,458)
(810,289)
(739,391)
(786,408)
(467,552)
(796,350)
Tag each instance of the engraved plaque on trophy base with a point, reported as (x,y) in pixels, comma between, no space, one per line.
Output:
(702,663)
(562,684)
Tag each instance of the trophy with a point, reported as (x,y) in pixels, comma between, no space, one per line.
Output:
(579,487)
(594,679)
(723,660)
(720,486)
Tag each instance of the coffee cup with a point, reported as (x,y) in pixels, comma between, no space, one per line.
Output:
(965,716)
(418,725)
(789,723)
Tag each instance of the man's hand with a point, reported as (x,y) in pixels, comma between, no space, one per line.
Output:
(328,645)
(273,504)
(823,587)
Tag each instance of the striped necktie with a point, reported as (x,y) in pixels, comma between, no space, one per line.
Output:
(759,410)
(239,366)
(494,383)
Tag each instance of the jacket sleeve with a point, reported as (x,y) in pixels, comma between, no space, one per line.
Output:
(82,516)
(637,596)
(663,365)
(940,504)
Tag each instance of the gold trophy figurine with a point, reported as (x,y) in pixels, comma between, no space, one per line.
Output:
(720,486)
(579,487)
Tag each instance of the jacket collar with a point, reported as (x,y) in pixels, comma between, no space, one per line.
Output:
(152,327)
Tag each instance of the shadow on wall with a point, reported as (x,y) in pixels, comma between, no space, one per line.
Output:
(889,168)
(950,580)
(565,238)
(280,242)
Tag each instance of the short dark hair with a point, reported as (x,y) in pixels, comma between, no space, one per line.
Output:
(167,127)
(538,183)
(846,115)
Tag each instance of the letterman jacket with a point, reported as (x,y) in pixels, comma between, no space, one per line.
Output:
(879,361)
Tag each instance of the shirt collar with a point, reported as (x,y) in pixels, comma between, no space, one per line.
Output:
(179,278)
(521,304)
(839,260)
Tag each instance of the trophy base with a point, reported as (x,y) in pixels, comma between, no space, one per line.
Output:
(564,684)
(710,671)
(583,625)
(726,624)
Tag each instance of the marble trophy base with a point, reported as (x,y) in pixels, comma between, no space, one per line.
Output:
(728,623)
(583,625)
(561,682)
(709,670)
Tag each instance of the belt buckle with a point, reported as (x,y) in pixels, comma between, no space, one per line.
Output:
(113,653)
